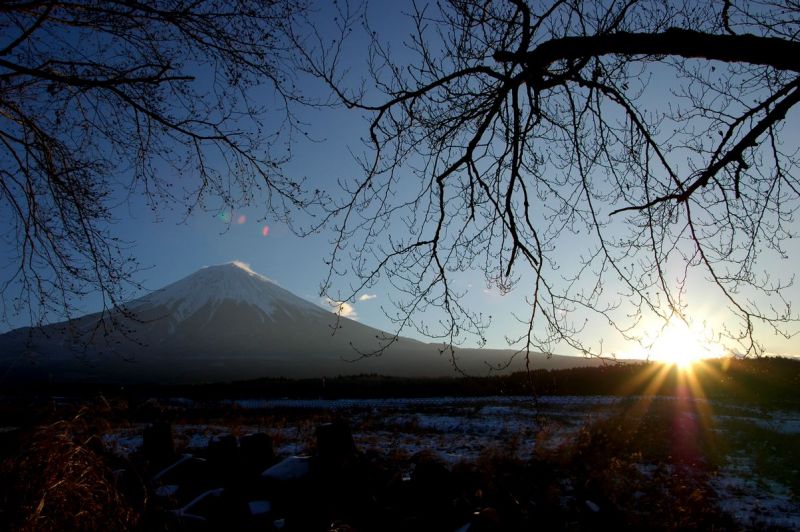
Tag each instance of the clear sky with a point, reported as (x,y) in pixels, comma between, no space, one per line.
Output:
(172,246)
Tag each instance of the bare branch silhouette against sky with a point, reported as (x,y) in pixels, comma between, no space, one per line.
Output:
(555,176)
(171,103)
(611,160)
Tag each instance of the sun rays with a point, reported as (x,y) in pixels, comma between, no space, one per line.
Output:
(681,356)
(681,344)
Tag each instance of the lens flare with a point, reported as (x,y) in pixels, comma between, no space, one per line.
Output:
(241,219)
(265,230)
(225,216)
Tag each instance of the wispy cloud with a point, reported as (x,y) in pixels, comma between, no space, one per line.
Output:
(243,265)
(367,297)
(342,308)
(246,267)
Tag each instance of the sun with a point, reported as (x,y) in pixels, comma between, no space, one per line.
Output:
(682,345)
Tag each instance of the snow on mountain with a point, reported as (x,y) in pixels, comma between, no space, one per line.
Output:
(233,282)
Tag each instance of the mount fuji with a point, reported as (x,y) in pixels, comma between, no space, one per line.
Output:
(226,323)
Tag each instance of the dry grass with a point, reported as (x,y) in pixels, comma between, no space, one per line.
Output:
(61,482)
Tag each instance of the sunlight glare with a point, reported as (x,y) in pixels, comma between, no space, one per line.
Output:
(681,345)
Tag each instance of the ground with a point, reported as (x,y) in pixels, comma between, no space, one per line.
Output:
(686,461)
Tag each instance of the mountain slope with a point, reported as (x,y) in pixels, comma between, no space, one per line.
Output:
(225,323)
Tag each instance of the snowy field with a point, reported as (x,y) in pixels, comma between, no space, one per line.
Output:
(752,482)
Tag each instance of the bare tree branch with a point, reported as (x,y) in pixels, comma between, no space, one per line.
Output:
(110,99)
(536,130)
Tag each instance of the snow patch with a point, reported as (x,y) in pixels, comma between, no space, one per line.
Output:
(754,502)
(293,468)
(260,507)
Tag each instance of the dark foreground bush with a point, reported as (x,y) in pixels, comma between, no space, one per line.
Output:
(649,466)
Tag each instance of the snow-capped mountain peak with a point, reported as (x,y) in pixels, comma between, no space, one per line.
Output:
(233,282)
(225,323)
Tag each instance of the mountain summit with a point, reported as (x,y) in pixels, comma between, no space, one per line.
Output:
(225,323)
(213,286)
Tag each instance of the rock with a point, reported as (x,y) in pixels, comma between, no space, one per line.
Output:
(294,468)
(259,507)
(223,449)
(430,477)
(333,485)
(172,467)
(189,474)
(292,484)
(431,493)
(256,452)
(158,445)
(335,446)
(167,490)
(202,507)
(222,509)
(223,458)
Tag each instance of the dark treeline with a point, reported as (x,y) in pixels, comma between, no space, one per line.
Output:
(757,379)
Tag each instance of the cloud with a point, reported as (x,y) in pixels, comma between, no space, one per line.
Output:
(246,267)
(367,297)
(243,265)
(342,308)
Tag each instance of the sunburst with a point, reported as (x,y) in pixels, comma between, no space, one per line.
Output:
(681,344)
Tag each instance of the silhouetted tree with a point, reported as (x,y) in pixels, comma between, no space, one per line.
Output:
(176,100)
(607,149)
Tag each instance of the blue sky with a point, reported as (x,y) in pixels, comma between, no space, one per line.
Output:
(170,246)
